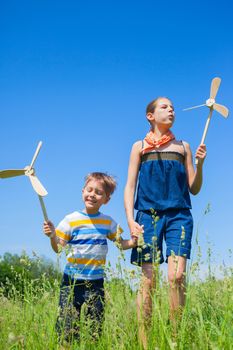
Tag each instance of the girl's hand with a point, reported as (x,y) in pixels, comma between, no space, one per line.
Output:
(49,229)
(135,228)
(201,153)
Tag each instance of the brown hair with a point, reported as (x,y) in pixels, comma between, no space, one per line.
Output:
(108,181)
(152,105)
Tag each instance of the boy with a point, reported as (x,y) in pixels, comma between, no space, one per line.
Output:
(85,233)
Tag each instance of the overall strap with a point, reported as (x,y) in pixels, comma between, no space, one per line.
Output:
(142,144)
(185,153)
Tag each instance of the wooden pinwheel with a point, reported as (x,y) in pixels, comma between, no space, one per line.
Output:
(29,171)
(212,105)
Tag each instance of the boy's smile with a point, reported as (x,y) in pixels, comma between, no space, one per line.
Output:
(94,196)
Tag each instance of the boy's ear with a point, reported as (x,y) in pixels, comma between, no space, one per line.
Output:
(107,199)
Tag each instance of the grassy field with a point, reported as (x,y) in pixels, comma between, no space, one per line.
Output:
(27,321)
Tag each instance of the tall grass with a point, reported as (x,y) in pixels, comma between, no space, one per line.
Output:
(27,321)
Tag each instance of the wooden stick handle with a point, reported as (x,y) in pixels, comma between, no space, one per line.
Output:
(205,130)
(43,208)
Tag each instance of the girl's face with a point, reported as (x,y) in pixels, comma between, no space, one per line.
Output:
(163,114)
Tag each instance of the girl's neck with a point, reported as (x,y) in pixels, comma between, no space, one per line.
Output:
(159,132)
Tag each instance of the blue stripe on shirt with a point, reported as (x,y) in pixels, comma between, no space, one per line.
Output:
(90,231)
(89,241)
(69,269)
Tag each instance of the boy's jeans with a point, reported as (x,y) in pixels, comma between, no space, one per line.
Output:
(73,294)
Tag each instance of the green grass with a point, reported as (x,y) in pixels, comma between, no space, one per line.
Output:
(27,321)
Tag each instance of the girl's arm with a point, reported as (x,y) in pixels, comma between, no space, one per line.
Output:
(194,176)
(134,164)
(49,230)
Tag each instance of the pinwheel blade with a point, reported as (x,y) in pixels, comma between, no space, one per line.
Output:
(38,187)
(36,154)
(11,173)
(188,109)
(221,109)
(214,87)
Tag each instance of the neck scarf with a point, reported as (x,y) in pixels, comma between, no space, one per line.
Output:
(150,143)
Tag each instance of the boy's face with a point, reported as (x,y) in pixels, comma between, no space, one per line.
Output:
(94,196)
(163,114)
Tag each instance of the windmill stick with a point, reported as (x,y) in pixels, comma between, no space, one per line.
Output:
(205,130)
(43,208)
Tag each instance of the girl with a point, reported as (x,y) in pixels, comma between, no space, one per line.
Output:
(164,170)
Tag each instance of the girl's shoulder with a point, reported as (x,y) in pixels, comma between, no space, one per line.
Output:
(137,146)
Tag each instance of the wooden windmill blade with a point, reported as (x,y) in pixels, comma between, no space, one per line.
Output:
(4,174)
(37,186)
(36,154)
(224,111)
(215,83)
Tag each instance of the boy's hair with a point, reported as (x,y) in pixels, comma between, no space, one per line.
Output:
(108,181)
(152,105)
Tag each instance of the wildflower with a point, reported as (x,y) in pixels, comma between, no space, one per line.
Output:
(141,241)
(132,273)
(147,257)
(182,233)
(59,246)
(118,233)
(12,338)
(154,238)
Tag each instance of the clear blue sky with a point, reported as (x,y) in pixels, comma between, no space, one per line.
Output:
(78,76)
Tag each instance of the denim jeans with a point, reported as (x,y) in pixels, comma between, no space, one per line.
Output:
(73,294)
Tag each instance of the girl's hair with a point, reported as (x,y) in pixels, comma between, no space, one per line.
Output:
(152,105)
(108,181)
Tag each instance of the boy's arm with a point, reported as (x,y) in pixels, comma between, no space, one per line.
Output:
(49,230)
(132,242)
(127,243)
(195,177)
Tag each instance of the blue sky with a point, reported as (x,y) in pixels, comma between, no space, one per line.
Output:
(78,76)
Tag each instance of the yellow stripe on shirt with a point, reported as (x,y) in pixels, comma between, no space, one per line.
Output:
(90,222)
(62,235)
(112,236)
(86,261)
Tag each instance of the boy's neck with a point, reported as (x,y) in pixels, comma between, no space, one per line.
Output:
(90,212)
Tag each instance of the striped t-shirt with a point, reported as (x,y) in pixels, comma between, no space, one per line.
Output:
(86,236)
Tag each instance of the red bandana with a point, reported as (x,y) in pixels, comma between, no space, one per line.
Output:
(150,143)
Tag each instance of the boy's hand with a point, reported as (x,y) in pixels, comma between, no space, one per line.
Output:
(49,229)
(134,241)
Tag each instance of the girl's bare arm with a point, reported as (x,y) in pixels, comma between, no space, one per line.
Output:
(195,177)
(134,164)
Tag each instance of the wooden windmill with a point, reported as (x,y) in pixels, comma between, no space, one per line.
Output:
(212,105)
(29,171)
